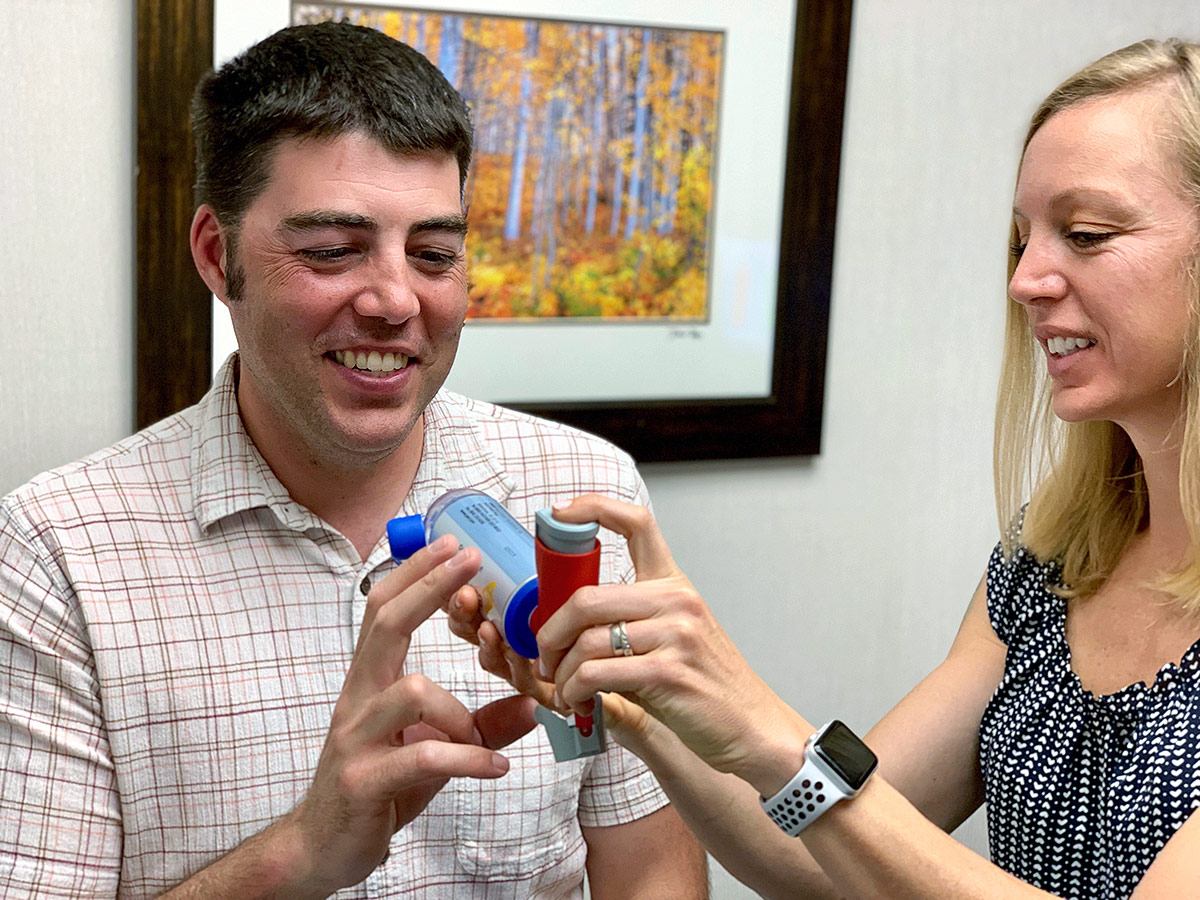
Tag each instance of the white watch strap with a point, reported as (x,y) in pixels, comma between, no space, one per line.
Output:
(804,798)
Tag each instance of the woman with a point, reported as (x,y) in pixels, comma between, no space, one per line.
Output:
(1070,699)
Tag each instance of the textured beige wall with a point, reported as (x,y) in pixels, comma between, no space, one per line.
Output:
(66,231)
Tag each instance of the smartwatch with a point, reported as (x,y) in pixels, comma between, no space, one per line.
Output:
(836,766)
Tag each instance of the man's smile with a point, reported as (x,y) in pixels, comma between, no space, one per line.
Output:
(372,361)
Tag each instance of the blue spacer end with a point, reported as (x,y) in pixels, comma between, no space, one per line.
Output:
(516,620)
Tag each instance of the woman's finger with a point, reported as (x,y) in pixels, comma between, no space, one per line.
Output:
(643,636)
(605,605)
(613,675)
(647,548)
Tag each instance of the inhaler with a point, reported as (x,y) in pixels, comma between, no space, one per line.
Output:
(568,558)
(507,579)
(564,557)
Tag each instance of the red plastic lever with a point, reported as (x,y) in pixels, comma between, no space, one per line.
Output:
(559,576)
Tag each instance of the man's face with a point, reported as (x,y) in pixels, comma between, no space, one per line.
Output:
(353,298)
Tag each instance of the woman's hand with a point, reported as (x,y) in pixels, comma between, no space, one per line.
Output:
(495,656)
(684,671)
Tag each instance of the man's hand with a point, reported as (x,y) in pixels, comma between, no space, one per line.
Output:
(395,739)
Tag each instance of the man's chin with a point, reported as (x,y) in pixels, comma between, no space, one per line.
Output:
(371,443)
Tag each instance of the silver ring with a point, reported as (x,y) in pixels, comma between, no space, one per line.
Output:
(619,638)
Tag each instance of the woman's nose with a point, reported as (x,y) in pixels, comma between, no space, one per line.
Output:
(1038,276)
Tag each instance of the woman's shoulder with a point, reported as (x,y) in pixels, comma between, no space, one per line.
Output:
(1019,594)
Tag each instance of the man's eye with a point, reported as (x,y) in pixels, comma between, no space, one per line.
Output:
(1015,250)
(434,259)
(326,254)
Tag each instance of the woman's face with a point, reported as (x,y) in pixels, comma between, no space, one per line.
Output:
(1106,239)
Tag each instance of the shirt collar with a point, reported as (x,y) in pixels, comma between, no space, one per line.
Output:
(230,475)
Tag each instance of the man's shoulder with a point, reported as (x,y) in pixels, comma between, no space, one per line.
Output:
(142,461)
(539,454)
(499,423)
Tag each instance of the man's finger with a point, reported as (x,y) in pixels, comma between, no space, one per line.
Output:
(622,713)
(647,548)
(417,764)
(414,700)
(381,651)
(463,614)
(403,577)
(491,651)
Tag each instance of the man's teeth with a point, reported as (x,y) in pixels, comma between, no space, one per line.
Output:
(1063,346)
(383,363)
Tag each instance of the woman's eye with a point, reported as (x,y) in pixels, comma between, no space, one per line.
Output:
(1015,250)
(1089,238)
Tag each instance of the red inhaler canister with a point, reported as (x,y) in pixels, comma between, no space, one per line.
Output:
(567,557)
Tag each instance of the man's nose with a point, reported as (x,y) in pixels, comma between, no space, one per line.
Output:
(390,293)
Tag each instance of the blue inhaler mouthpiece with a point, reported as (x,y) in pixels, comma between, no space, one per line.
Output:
(406,535)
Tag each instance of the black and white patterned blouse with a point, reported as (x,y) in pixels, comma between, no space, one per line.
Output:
(1082,790)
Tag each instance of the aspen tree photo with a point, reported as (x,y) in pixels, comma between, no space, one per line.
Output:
(591,191)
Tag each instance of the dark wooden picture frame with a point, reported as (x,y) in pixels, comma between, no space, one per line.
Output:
(174,308)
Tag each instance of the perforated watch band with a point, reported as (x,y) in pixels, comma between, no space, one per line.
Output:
(804,798)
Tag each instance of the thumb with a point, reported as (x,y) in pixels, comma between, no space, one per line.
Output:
(623,718)
(501,722)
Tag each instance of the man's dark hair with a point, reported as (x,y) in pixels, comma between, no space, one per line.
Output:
(317,81)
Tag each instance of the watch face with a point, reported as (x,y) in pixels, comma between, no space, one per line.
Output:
(848,756)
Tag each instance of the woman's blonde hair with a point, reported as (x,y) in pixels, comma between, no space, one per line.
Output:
(1088,488)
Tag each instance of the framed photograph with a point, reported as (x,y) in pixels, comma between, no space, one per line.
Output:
(652,204)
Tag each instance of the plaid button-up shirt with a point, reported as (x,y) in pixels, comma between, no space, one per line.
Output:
(174,633)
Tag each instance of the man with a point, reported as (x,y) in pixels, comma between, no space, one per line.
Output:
(201,692)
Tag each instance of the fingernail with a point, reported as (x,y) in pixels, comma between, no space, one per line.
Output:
(561,504)
(443,543)
(456,560)
(542,669)
(456,604)
(499,762)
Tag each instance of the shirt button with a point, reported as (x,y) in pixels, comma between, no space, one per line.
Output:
(365,587)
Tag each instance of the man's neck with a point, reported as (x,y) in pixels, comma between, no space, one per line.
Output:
(357,500)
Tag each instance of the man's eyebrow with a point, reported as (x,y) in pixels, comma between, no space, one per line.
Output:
(454,224)
(311,221)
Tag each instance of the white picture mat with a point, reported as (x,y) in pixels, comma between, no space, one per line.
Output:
(731,355)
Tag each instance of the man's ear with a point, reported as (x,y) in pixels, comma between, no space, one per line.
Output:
(209,251)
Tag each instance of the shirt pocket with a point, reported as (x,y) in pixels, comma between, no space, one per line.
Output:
(521,824)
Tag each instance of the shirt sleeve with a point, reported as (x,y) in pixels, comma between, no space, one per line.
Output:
(631,489)
(617,789)
(60,821)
